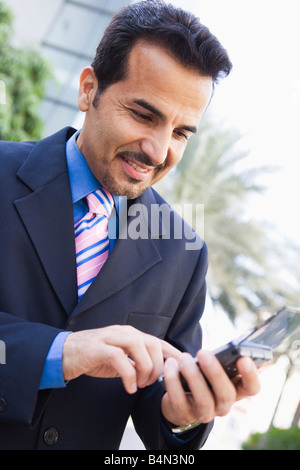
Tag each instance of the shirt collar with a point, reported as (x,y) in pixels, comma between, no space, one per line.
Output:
(82,180)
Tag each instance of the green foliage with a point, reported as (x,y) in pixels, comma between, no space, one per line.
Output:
(274,439)
(24,73)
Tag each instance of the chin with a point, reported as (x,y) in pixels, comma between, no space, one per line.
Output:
(129,189)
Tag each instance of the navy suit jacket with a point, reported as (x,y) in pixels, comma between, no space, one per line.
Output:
(155,285)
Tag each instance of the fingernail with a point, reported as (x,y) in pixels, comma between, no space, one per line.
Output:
(247,364)
(185,359)
(171,363)
(206,357)
(133,388)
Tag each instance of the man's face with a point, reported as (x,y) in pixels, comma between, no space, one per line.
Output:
(141,125)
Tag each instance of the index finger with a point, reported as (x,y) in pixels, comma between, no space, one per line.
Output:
(169,351)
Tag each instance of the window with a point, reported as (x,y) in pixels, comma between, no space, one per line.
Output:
(70,45)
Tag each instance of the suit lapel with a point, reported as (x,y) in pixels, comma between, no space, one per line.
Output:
(48,216)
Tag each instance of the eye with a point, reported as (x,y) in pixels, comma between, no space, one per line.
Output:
(141,116)
(182,134)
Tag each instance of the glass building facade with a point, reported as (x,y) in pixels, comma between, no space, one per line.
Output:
(70,45)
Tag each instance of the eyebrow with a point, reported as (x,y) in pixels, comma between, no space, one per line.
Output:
(144,104)
(150,107)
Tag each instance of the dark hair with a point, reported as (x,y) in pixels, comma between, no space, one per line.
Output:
(178,31)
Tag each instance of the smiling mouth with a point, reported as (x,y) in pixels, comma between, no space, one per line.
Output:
(134,172)
(138,166)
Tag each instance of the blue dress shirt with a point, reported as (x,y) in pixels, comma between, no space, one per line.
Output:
(82,182)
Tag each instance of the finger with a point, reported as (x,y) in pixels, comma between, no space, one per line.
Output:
(145,358)
(223,389)
(249,383)
(175,406)
(122,366)
(147,352)
(203,399)
(171,377)
(169,350)
(154,349)
(143,349)
(158,350)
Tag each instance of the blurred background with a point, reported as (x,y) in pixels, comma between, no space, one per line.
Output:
(243,166)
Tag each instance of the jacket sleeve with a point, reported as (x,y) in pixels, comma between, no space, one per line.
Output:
(27,346)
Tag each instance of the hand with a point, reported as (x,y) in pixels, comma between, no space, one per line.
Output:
(203,404)
(116,351)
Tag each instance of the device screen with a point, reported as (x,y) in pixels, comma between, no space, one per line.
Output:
(276,329)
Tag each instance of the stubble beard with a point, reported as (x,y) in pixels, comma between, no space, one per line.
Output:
(130,189)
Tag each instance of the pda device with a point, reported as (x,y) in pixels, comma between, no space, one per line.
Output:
(259,343)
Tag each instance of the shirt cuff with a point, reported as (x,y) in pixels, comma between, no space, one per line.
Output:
(52,376)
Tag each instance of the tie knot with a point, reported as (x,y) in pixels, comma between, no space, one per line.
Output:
(100,202)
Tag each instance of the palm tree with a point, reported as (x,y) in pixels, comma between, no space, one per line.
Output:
(242,275)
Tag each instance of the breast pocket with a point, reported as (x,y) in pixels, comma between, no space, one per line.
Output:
(153,324)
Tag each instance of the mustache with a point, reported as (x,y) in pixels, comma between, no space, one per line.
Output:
(140,157)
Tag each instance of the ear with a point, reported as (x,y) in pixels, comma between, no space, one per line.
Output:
(88,88)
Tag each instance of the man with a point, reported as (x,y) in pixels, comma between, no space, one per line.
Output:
(82,359)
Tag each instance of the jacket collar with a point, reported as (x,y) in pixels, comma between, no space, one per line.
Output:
(47,213)
(46,161)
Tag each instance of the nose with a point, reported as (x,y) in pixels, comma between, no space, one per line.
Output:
(156,146)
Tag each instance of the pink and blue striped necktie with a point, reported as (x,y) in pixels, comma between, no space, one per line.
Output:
(91,239)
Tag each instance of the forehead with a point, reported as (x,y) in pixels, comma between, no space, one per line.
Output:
(154,74)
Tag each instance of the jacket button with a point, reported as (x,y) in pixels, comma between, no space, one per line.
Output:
(51,436)
(3,404)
